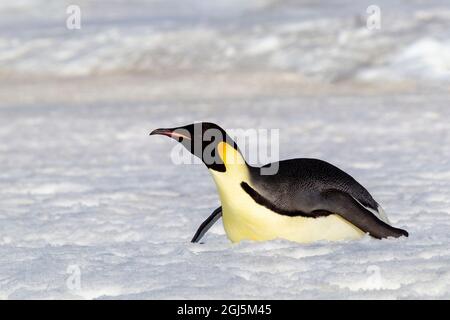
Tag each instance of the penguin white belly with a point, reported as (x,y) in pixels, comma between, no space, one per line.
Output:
(244,219)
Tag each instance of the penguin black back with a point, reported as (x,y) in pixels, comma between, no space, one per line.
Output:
(310,176)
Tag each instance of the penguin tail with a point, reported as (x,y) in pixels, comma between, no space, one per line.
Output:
(397,232)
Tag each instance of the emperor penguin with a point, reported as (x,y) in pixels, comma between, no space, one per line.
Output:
(304,200)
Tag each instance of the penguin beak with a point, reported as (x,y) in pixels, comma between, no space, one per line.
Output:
(164,132)
(172,133)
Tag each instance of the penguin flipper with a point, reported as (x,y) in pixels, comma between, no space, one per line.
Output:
(347,207)
(207,224)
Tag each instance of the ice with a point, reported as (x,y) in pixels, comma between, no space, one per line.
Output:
(426,58)
(329,42)
(120,210)
(83,187)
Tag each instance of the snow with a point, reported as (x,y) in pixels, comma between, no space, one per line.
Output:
(85,191)
(85,185)
(328,42)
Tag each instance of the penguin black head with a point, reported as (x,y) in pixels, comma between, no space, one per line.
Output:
(202,139)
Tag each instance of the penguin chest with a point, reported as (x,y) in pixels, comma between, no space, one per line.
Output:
(244,219)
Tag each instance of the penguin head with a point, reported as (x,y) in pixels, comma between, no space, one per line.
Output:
(206,140)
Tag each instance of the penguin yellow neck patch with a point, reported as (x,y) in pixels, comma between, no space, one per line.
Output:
(229,155)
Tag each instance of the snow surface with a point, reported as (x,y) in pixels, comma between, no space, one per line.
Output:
(328,42)
(86,185)
(83,187)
